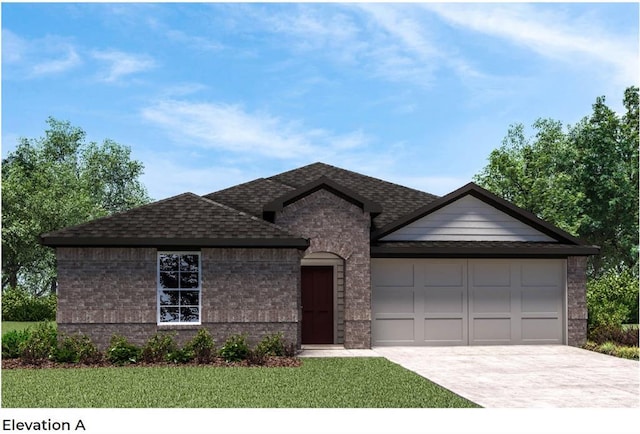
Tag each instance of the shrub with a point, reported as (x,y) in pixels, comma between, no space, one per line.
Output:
(256,358)
(79,348)
(19,305)
(235,348)
(158,347)
(607,333)
(290,350)
(271,345)
(40,345)
(607,348)
(121,351)
(202,345)
(628,352)
(182,355)
(11,342)
(612,299)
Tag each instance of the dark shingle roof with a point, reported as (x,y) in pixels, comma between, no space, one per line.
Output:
(251,196)
(186,219)
(396,200)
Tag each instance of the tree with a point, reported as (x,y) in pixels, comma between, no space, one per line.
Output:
(584,180)
(57,181)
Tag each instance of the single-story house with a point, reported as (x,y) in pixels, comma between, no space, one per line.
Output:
(325,256)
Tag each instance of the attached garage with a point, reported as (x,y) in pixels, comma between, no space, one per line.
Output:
(471,301)
(472,269)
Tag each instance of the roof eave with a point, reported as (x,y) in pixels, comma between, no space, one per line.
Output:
(297,243)
(482,252)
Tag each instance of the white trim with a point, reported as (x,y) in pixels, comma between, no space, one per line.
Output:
(158,288)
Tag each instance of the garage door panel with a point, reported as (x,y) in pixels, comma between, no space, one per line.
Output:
(490,274)
(445,331)
(444,274)
(393,273)
(541,274)
(444,300)
(491,330)
(541,300)
(394,331)
(394,300)
(540,330)
(491,300)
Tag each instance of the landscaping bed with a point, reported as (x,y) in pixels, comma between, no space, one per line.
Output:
(613,340)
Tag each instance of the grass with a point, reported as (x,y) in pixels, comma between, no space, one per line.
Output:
(8,326)
(318,383)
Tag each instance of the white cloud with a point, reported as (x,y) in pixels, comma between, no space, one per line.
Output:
(231,128)
(38,57)
(120,64)
(554,35)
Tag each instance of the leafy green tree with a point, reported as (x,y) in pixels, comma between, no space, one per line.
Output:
(584,179)
(56,181)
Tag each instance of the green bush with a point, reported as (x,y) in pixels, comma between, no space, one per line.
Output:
(19,305)
(609,333)
(612,299)
(158,347)
(271,345)
(202,345)
(40,345)
(11,342)
(235,348)
(75,349)
(181,355)
(121,351)
(632,353)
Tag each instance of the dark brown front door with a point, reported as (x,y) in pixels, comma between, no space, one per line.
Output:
(317,305)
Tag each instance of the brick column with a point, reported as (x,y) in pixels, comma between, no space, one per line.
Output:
(577,300)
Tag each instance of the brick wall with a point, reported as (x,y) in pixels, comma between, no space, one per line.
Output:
(336,226)
(102,291)
(577,300)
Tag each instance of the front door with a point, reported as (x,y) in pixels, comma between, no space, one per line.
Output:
(317,305)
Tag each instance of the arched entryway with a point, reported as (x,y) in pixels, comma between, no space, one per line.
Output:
(322,298)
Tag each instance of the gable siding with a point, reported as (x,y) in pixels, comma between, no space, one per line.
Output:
(467,219)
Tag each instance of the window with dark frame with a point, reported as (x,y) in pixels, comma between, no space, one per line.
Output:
(179,287)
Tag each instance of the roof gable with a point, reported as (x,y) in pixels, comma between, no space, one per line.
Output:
(394,199)
(186,219)
(519,225)
(322,183)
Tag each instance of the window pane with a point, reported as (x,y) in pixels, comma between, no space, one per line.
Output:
(189,263)
(169,262)
(189,298)
(189,314)
(169,298)
(169,314)
(169,280)
(188,280)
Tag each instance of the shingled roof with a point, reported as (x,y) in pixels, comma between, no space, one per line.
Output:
(396,200)
(183,220)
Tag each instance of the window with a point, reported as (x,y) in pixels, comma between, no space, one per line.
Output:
(179,287)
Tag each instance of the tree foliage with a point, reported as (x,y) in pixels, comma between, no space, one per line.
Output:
(56,181)
(583,179)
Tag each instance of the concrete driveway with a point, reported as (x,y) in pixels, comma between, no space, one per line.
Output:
(525,376)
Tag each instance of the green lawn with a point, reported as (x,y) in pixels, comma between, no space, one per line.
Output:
(318,383)
(8,326)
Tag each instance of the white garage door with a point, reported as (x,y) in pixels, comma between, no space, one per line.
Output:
(468,301)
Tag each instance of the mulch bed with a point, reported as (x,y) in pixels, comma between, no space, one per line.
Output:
(269,362)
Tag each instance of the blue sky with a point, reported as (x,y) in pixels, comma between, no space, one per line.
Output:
(211,95)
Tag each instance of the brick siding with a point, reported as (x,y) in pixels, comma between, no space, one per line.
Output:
(102,291)
(577,300)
